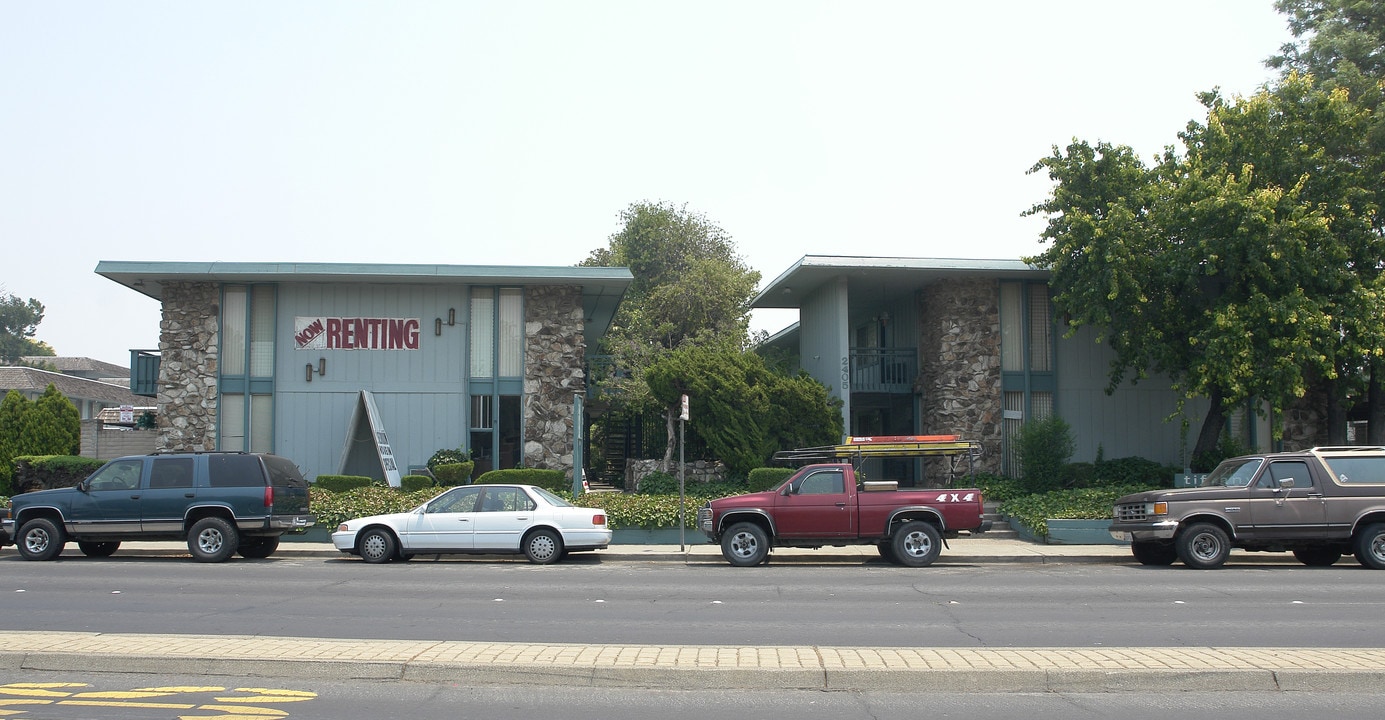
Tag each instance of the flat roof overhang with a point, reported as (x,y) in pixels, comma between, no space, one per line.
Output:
(876,275)
(602,287)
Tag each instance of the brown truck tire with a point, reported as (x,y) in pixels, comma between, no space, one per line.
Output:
(1203,546)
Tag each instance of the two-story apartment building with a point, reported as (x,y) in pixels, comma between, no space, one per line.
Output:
(368,369)
(917,346)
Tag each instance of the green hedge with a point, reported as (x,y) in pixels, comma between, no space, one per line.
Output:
(453,473)
(43,472)
(761,479)
(342,483)
(414,483)
(553,480)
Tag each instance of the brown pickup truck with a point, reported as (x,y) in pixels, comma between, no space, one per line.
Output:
(1319,504)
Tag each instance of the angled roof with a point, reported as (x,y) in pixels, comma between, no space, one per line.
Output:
(880,274)
(81,366)
(602,287)
(33,380)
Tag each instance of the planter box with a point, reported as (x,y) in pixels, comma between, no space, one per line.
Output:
(1069,532)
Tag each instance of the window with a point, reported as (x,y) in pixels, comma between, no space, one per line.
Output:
(170,473)
(506,499)
(497,376)
(119,475)
(1027,360)
(234,471)
(461,500)
(830,482)
(247,368)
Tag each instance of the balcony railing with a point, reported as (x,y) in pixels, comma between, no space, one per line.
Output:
(888,370)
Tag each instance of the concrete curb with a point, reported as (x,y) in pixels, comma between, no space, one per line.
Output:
(1171,669)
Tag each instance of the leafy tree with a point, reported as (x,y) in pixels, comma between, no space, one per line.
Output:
(743,410)
(51,426)
(688,281)
(12,411)
(1342,44)
(689,288)
(18,322)
(1247,266)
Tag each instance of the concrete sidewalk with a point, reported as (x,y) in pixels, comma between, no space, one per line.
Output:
(1155,669)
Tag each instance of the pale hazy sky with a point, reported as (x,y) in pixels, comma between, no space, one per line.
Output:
(514,133)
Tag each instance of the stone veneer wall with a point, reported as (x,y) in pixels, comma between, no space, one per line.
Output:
(188,343)
(695,472)
(959,364)
(554,355)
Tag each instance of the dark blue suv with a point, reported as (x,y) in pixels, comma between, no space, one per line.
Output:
(220,502)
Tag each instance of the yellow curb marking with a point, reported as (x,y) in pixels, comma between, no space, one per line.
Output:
(183,689)
(240,711)
(278,691)
(123,694)
(120,703)
(263,698)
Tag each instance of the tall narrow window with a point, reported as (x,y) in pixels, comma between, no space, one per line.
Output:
(247,368)
(482,332)
(511,336)
(1026,361)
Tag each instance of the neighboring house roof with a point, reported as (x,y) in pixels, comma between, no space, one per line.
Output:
(880,275)
(33,380)
(80,366)
(602,287)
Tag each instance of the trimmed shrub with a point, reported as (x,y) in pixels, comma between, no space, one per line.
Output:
(553,480)
(658,483)
(998,488)
(453,473)
(414,483)
(1043,449)
(1133,471)
(447,457)
(761,479)
(342,483)
(44,472)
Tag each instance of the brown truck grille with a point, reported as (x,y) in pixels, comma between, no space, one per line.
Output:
(1132,512)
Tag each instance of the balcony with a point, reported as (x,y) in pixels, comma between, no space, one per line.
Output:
(884,370)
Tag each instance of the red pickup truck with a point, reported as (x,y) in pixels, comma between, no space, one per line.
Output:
(824,505)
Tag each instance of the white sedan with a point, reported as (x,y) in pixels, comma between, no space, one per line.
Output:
(480,519)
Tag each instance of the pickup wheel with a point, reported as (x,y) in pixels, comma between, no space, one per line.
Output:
(1370,546)
(916,544)
(745,545)
(1318,555)
(213,539)
(886,551)
(1151,552)
(1203,546)
(98,549)
(41,539)
(258,547)
(377,546)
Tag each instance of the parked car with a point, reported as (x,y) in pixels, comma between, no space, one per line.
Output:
(479,519)
(222,503)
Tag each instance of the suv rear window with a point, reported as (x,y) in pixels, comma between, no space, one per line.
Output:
(282,472)
(234,471)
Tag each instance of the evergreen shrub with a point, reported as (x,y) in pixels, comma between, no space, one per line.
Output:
(554,480)
(414,483)
(761,479)
(342,483)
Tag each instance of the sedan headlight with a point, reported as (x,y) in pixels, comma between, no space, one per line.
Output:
(343,528)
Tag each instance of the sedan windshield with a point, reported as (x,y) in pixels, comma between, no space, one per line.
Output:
(1233,473)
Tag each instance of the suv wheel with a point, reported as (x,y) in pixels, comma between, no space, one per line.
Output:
(1370,546)
(1318,555)
(1203,546)
(213,539)
(40,539)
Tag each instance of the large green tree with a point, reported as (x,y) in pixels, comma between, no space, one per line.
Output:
(19,321)
(12,410)
(1244,266)
(1342,44)
(689,288)
(740,407)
